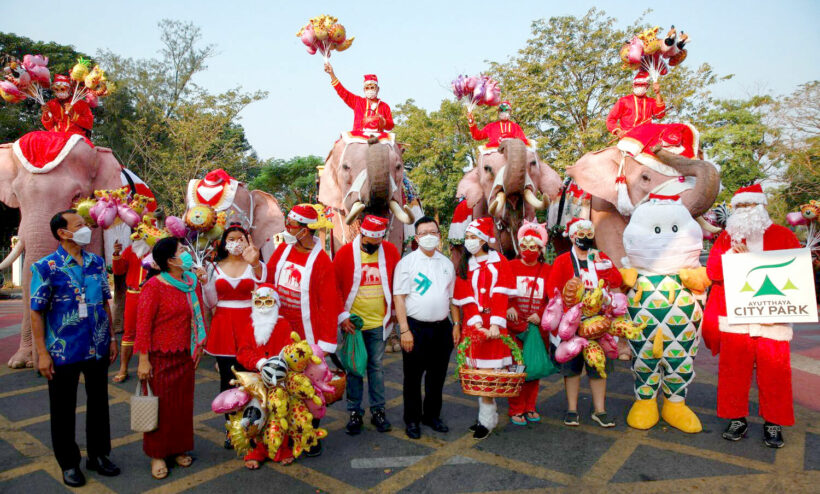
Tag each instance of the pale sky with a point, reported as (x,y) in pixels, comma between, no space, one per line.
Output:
(415,48)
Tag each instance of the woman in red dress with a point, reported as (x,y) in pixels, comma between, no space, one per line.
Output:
(228,293)
(482,288)
(530,272)
(170,335)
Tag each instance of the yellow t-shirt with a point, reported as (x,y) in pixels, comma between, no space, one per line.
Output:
(369,303)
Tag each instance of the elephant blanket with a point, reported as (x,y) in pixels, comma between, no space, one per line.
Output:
(41,151)
(677,138)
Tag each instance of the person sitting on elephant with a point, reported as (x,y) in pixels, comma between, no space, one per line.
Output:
(503,128)
(371,116)
(60,115)
(583,265)
(637,108)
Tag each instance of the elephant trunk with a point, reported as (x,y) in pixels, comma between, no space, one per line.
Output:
(378,174)
(13,255)
(515,172)
(707,179)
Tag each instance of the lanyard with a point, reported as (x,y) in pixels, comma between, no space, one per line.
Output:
(80,285)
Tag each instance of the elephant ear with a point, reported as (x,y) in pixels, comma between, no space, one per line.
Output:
(268,221)
(596,172)
(469,187)
(108,170)
(8,172)
(550,182)
(330,193)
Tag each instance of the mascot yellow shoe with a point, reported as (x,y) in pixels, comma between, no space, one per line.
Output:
(643,414)
(679,416)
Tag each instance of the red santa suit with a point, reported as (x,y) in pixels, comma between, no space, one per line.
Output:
(363,109)
(230,299)
(568,266)
(130,265)
(632,111)
(495,131)
(744,347)
(61,117)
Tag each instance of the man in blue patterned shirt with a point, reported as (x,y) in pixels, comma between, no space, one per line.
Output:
(71,323)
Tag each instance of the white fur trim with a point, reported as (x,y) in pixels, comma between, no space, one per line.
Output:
(327,347)
(301,219)
(67,147)
(777,332)
(478,233)
(512,292)
(498,321)
(304,288)
(357,279)
(474,321)
(749,198)
(463,301)
(374,234)
(585,224)
(489,364)
(487,414)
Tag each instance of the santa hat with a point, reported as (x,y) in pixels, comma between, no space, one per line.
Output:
(371,79)
(304,213)
(462,217)
(533,230)
(752,194)
(641,78)
(266,290)
(576,224)
(217,177)
(61,80)
(482,228)
(374,226)
(505,106)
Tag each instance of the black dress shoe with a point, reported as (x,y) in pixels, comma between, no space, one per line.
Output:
(315,450)
(736,429)
(73,477)
(103,466)
(380,421)
(480,432)
(354,425)
(437,425)
(773,435)
(413,430)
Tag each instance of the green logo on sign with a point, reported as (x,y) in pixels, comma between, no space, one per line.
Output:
(768,287)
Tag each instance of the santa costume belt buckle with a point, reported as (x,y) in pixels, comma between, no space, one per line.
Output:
(133,290)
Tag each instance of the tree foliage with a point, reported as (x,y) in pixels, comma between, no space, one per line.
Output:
(291,181)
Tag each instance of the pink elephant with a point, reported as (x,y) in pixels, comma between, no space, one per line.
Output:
(365,178)
(40,195)
(505,185)
(696,181)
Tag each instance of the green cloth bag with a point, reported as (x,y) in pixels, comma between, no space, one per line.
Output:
(536,359)
(351,351)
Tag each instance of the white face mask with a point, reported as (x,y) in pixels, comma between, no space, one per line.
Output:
(288,238)
(235,247)
(428,242)
(639,90)
(371,93)
(82,236)
(472,245)
(504,115)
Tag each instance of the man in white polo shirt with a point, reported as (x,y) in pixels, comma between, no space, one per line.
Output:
(422,294)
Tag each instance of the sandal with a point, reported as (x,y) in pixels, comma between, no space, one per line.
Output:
(287,461)
(120,377)
(252,464)
(533,416)
(518,420)
(159,470)
(184,460)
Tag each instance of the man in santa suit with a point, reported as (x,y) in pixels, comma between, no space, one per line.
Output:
(637,108)
(588,265)
(364,273)
(59,115)
(503,128)
(266,335)
(371,116)
(129,263)
(743,347)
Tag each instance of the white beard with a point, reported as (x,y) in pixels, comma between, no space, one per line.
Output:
(140,248)
(747,223)
(61,95)
(263,324)
(504,115)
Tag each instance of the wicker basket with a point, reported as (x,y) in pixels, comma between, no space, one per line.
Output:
(339,383)
(491,383)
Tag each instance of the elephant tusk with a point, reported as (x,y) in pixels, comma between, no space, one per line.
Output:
(404,216)
(708,226)
(409,213)
(533,201)
(500,197)
(355,210)
(13,255)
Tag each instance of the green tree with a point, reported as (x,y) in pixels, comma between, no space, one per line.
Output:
(291,181)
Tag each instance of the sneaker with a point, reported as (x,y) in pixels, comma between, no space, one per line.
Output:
(473,427)
(772,435)
(379,420)
(354,425)
(480,432)
(603,420)
(572,419)
(315,450)
(736,429)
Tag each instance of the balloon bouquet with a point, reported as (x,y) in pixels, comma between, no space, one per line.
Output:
(27,79)
(595,317)
(807,216)
(323,34)
(199,228)
(476,90)
(89,84)
(279,402)
(645,51)
(109,207)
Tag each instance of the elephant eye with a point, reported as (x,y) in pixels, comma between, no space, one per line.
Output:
(532,163)
(645,177)
(345,167)
(488,169)
(675,228)
(657,229)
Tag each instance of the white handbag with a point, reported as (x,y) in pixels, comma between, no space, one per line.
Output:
(144,410)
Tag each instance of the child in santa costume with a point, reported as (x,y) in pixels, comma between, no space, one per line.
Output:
(364,273)
(744,347)
(228,293)
(483,286)
(589,265)
(264,335)
(530,272)
(129,263)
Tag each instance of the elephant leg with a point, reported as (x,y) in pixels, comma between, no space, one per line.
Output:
(24,356)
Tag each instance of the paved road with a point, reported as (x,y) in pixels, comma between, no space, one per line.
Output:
(546,457)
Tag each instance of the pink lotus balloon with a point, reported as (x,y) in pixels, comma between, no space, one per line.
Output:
(11,93)
(553,312)
(230,401)
(569,323)
(309,36)
(568,350)
(319,374)
(796,219)
(470,84)
(318,411)
(96,209)
(618,305)
(635,50)
(610,346)
(23,81)
(109,213)
(148,262)
(176,226)
(128,215)
(92,100)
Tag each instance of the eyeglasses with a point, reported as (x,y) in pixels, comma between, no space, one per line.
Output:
(585,234)
(529,247)
(263,302)
(421,234)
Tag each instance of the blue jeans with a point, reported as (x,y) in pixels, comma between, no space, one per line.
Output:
(374,344)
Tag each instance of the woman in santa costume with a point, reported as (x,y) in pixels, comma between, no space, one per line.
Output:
(530,271)
(264,336)
(235,274)
(483,286)
(744,347)
(129,263)
(588,265)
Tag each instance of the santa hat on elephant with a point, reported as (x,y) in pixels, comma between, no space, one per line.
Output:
(752,194)
(374,226)
(482,228)
(576,224)
(533,230)
(462,216)
(217,177)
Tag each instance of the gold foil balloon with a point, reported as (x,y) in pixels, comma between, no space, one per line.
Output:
(200,218)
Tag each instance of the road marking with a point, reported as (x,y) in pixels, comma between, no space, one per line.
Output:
(402,461)
(806,364)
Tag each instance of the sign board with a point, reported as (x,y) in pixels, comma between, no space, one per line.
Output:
(769,287)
